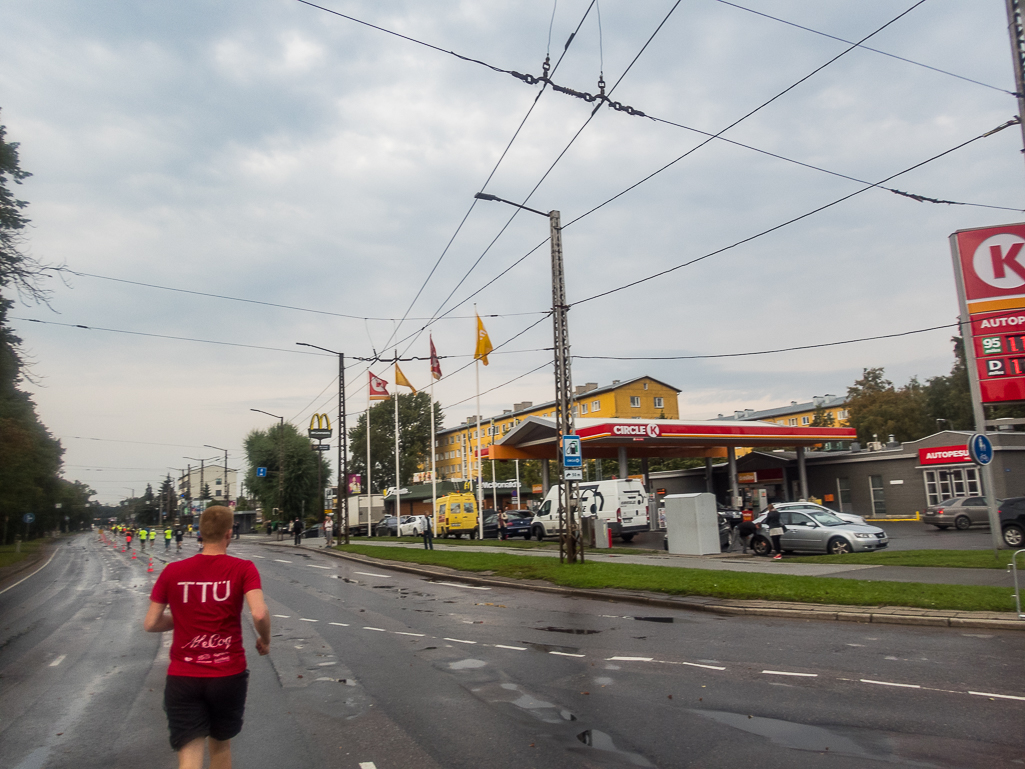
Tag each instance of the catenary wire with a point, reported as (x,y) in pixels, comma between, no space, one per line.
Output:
(788,222)
(544,365)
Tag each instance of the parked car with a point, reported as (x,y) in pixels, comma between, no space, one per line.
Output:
(811,507)
(1012,521)
(412,525)
(517,523)
(387,527)
(821,532)
(457,515)
(622,503)
(960,512)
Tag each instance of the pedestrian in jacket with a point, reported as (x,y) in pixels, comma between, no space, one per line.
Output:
(776,531)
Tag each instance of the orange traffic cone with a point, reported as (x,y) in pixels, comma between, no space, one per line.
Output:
(150,565)
(133,555)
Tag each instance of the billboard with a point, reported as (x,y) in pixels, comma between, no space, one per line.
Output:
(989,267)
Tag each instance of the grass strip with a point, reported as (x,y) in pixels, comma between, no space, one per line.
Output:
(718,584)
(512,544)
(9,558)
(954,559)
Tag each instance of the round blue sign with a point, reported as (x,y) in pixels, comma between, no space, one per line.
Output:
(29,517)
(980,449)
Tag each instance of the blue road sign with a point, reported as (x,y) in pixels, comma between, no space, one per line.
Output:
(571,456)
(29,517)
(261,472)
(980,449)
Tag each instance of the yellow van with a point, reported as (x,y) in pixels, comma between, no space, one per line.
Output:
(457,515)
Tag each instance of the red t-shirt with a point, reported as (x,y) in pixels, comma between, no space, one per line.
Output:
(205,594)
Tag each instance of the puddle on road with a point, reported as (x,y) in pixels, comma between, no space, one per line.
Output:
(467,664)
(571,631)
(601,741)
(655,619)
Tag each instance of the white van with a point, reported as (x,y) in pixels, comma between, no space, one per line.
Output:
(621,503)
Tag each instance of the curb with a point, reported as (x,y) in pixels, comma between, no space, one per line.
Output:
(881,615)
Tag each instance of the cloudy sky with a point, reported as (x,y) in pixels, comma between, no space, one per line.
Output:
(271,151)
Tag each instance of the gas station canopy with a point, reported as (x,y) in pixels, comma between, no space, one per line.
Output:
(536,438)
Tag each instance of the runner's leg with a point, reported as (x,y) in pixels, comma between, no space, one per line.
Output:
(191,754)
(220,754)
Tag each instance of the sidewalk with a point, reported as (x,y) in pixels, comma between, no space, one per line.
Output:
(891,615)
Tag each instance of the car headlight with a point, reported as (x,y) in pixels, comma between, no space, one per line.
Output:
(859,535)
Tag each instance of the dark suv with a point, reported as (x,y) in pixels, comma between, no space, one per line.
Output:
(1012,521)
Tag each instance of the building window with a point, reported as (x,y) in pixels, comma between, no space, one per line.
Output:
(956,482)
(583,408)
(792,422)
(659,403)
(635,401)
(843,493)
(805,421)
(645,385)
(595,405)
(875,483)
(842,414)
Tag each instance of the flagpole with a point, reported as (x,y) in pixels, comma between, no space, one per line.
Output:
(491,456)
(370,488)
(398,481)
(434,454)
(480,485)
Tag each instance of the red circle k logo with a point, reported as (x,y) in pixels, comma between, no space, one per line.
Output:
(996,261)
(653,431)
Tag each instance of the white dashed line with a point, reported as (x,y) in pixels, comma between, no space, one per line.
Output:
(282,616)
(326,664)
(514,648)
(258,556)
(340,624)
(706,667)
(314,566)
(468,587)
(566,654)
(630,659)
(281,560)
(378,629)
(58,661)
(303,619)
(1001,696)
(418,635)
(460,641)
(787,673)
(889,683)
(368,574)
(367,765)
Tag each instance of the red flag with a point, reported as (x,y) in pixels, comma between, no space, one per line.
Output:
(435,363)
(378,388)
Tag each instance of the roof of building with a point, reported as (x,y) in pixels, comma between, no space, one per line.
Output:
(616,385)
(825,402)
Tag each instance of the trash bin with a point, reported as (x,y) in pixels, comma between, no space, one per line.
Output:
(692,525)
(602,535)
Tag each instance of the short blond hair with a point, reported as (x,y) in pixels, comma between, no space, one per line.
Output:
(215,522)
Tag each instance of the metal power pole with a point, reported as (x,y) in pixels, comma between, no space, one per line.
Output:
(1015,27)
(343,450)
(570,542)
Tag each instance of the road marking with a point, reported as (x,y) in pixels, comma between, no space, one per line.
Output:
(786,673)
(58,661)
(303,619)
(468,587)
(368,574)
(340,624)
(890,683)
(566,654)
(326,664)
(283,616)
(33,573)
(367,765)
(281,560)
(418,635)
(707,667)
(630,659)
(314,566)
(1001,696)
(460,641)
(378,629)
(257,556)
(514,648)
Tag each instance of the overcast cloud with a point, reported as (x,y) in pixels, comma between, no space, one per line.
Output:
(271,151)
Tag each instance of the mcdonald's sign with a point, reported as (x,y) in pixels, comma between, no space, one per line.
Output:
(320,426)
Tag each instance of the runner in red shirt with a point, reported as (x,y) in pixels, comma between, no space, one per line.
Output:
(205,694)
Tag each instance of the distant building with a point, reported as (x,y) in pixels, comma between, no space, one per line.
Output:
(222,487)
(800,415)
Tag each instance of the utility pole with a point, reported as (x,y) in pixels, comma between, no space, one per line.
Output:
(1017,30)
(281,458)
(224,475)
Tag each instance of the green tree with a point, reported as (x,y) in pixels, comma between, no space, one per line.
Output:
(879,410)
(823,418)
(299,492)
(204,493)
(414,439)
(949,397)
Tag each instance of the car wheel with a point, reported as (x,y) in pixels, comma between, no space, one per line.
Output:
(1013,535)
(527,536)
(839,546)
(539,533)
(761,546)
(473,534)
(628,538)
(962,523)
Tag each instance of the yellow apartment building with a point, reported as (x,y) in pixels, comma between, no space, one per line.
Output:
(640,398)
(798,415)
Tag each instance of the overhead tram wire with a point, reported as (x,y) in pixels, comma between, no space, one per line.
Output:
(491,175)
(1014,121)
(544,365)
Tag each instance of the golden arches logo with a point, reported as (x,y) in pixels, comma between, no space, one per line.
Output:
(320,426)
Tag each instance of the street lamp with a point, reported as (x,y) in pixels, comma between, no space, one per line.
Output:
(343,446)
(202,476)
(281,457)
(132,498)
(563,378)
(224,475)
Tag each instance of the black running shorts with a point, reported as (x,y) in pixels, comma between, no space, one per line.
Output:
(204,707)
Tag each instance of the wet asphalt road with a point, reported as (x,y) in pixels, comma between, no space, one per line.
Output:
(371,667)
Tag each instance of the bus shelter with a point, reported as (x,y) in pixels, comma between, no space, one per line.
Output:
(625,439)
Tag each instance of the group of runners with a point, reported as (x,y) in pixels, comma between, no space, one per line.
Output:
(142,535)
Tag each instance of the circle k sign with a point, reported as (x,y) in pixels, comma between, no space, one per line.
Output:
(992,261)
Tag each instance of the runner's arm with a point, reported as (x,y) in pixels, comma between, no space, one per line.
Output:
(261,619)
(157,619)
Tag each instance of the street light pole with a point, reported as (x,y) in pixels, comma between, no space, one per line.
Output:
(202,476)
(343,446)
(281,458)
(224,475)
(571,543)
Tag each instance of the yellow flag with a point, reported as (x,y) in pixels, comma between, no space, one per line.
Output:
(400,379)
(483,343)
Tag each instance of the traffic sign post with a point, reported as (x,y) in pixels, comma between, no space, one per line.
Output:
(571,456)
(980,449)
(261,472)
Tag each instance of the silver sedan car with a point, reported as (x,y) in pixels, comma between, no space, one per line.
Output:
(960,512)
(811,507)
(819,532)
